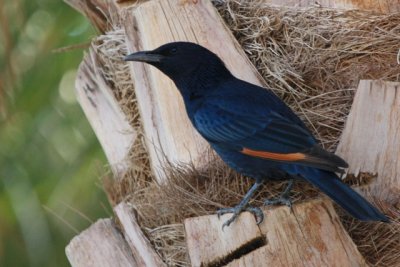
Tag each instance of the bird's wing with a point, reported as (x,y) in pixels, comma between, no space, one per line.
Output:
(263,131)
(268,132)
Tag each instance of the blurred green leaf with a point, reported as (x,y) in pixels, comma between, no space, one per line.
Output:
(50,160)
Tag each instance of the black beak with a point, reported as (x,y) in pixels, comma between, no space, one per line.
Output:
(144,56)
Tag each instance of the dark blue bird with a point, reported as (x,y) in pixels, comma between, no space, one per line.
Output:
(251,129)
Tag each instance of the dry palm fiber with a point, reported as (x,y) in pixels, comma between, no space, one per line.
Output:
(313,58)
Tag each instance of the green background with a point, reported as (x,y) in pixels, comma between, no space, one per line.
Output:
(51,164)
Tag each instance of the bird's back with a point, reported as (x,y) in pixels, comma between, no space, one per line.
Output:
(251,99)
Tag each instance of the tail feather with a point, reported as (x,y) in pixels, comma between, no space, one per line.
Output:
(345,196)
(324,160)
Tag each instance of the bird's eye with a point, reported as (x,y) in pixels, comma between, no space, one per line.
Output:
(173,50)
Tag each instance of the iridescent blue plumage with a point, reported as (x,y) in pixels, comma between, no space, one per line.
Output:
(252,130)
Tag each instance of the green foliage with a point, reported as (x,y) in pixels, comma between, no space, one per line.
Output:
(50,160)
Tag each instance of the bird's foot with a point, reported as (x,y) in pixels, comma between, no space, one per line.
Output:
(237,210)
(281,200)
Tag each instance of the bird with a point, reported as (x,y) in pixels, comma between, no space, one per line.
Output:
(252,130)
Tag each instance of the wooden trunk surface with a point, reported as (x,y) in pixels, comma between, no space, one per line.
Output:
(370,142)
(207,243)
(112,129)
(142,250)
(101,245)
(310,235)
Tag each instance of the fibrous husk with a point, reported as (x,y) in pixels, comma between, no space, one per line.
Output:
(312,58)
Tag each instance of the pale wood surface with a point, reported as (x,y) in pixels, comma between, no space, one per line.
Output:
(113,131)
(165,122)
(311,235)
(371,139)
(382,6)
(141,248)
(208,243)
(101,245)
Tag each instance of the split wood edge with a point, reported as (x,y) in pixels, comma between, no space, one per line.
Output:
(100,245)
(109,123)
(309,235)
(370,141)
(103,243)
(142,250)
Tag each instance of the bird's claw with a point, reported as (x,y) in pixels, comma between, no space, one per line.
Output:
(282,200)
(237,210)
(257,212)
(225,211)
(231,220)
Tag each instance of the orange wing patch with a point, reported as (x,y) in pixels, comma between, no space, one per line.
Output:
(274,156)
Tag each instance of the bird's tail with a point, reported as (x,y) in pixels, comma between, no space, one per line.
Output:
(345,196)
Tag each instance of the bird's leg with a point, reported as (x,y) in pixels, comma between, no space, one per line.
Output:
(283,198)
(242,207)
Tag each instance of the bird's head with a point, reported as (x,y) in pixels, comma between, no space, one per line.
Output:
(183,62)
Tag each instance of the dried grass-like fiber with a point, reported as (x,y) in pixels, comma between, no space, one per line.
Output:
(378,242)
(111,49)
(191,192)
(313,58)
